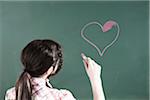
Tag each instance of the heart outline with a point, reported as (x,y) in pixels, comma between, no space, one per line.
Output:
(102,27)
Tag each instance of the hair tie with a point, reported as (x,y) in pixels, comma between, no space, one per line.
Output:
(26,72)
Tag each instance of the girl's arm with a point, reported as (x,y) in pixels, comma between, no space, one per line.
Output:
(94,73)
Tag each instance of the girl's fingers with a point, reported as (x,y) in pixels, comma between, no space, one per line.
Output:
(90,62)
(85,65)
(85,60)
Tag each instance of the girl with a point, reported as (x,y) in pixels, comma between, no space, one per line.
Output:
(42,59)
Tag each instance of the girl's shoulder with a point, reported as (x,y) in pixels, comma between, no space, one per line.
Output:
(10,94)
(61,94)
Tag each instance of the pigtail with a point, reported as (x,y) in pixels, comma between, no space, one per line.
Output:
(23,87)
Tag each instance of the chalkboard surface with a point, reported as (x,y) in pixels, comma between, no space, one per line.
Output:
(124,64)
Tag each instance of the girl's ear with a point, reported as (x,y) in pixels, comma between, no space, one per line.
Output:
(54,70)
(50,70)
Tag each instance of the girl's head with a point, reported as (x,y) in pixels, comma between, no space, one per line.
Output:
(39,57)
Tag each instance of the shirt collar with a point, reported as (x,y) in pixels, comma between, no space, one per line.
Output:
(41,81)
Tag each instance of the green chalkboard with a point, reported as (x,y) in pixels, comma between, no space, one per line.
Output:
(124,65)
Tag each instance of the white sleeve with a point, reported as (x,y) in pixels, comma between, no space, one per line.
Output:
(10,94)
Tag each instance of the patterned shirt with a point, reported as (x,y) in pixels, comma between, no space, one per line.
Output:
(43,90)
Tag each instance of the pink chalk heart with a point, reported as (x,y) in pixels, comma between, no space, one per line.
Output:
(106,27)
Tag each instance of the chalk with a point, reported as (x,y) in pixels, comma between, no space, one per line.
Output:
(85,59)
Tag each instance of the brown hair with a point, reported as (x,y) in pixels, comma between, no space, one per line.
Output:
(37,57)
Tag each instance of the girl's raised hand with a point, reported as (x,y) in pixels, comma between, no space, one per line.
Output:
(92,68)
